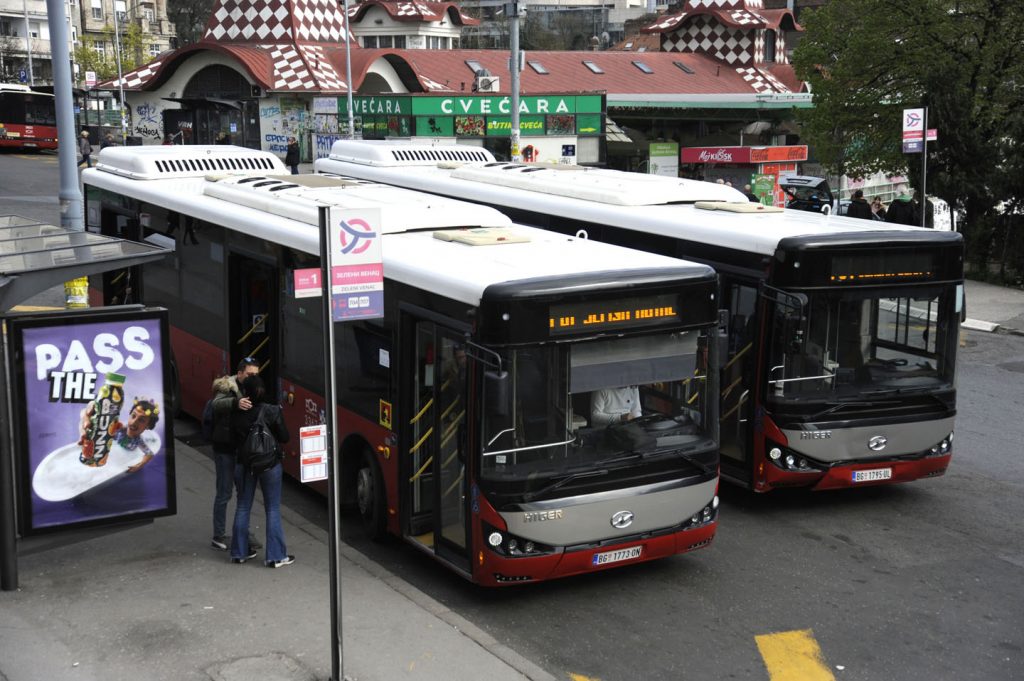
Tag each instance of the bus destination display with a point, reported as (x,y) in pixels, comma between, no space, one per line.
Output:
(881,266)
(599,316)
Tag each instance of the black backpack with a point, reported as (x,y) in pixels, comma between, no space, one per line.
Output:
(259,451)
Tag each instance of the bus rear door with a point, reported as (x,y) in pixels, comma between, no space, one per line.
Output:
(254,314)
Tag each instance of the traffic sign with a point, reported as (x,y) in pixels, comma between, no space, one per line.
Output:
(90,78)
(23,76)
(357,270)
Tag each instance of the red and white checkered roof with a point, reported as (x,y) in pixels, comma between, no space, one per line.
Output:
(414,10)
(276,20)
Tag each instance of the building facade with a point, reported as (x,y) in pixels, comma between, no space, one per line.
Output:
(25,54)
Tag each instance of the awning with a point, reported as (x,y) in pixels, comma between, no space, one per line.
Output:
(208,102)
(613,133)
(36,256)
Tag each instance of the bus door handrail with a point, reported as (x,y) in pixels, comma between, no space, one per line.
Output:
(252,329)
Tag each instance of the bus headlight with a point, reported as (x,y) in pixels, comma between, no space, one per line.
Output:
(510,546)
(774,453)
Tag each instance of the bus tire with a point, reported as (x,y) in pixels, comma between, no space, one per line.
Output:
(370,497)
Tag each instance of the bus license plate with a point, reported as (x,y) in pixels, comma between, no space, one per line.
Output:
(872,474)
(615,556)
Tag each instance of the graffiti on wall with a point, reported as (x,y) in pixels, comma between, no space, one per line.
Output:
(322,144)
(147,121)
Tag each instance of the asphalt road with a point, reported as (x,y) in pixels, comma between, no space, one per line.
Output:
(917,581)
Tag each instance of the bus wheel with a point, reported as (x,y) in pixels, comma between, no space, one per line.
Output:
(370,496)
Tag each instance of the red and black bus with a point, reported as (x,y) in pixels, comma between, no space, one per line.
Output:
(28,119)
(467,422)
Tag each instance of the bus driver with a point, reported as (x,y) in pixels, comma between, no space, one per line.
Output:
(614,405)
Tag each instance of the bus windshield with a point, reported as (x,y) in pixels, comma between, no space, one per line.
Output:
(861,343)
(584,406)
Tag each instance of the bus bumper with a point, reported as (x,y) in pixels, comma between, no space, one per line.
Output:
(495,570)
(846,476)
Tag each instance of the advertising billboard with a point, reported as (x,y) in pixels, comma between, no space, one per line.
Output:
(94,437)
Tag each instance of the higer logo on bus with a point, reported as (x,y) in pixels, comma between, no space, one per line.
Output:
(356,236)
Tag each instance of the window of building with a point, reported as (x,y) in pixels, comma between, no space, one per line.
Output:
(369,41)
(592,66)
(148,14)
(538,67)
(97,12)
(399,42)
(100,47)
(154,50)
(384,41)
(643,67)
(455,43)
(6,28)
(474,65)
(769,45)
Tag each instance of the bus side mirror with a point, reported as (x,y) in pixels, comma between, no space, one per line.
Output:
(497,393)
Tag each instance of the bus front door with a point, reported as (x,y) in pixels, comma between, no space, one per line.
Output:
(435,457)
(253,308)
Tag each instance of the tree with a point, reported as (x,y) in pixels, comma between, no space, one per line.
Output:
(133,42)
(189,17)
(867,60)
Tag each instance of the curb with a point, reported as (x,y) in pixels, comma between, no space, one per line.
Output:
(978,325)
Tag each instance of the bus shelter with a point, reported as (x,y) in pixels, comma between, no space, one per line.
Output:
(34,257)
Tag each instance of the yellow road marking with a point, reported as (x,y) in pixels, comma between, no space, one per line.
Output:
(793,656)
(580,677)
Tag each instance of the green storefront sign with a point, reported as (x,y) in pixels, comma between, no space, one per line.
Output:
(476,115)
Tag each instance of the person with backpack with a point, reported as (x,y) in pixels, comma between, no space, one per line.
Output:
(216,424)
(257,434)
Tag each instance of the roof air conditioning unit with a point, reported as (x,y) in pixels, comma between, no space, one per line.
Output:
(485,82)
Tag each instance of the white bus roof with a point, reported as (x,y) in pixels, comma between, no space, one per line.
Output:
(283,209)
(546,190)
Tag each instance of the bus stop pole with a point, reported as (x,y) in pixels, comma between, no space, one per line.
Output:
(924,169)
(70,194)
(8,540)
(333,463)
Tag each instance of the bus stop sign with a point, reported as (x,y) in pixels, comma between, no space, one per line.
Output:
(357,273)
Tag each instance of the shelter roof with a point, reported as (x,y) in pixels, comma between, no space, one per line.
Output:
(630,73)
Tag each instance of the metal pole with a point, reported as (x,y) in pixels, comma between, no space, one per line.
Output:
(924,170)
(8,535)
(348,76)
(120,78)
(333,461)
(513,68)
(28,45)
(70,194)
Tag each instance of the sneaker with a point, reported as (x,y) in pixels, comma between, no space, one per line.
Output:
(219,542)
(254,543)
(252,554)
(288,560)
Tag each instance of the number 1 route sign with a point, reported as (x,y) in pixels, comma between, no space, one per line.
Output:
(357,273)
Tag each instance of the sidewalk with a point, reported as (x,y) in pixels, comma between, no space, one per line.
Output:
(155,602)
(994,308)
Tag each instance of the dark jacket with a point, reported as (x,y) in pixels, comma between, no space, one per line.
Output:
(291,158)
(902,211)
(859,208)
(225,401)
(241,422)
(84,148)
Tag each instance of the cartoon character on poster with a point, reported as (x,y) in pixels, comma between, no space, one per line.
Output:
(96,439)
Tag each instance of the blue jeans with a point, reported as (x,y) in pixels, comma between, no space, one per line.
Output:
(270,483)
(225,465)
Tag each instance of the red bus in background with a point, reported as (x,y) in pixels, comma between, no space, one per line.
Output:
(28,119)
